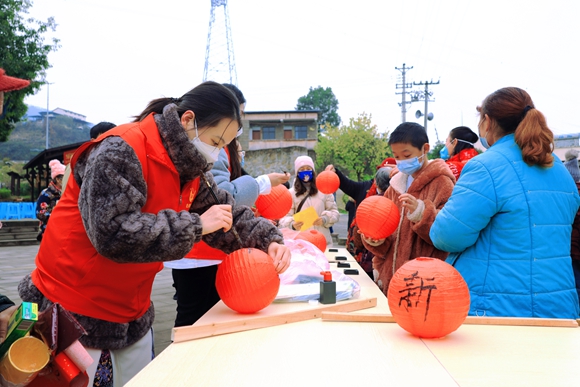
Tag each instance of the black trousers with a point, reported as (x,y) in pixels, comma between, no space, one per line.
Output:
(196,293)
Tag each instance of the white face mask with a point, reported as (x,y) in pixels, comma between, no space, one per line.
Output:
(211,153)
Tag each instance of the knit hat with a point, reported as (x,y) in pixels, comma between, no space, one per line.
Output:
(572,167)
(571,154)
(302,161)
(56,168)
(10,83)
(389,161)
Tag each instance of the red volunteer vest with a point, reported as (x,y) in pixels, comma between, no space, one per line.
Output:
(71,272)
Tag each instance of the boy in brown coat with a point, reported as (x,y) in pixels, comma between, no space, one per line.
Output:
(420,190)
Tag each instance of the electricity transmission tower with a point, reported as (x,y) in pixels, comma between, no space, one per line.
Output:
(220,65)
(404,85)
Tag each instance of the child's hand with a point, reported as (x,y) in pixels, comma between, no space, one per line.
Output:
(280,255)
(318,222)
(370,241)
(409,202)
(4,317)
(216,217)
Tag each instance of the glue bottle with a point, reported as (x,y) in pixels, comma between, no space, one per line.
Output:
(327,289)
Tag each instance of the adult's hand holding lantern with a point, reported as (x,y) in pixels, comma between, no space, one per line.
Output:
(278,178)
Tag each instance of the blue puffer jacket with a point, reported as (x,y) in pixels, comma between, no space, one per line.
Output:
(245,189)
(507,226)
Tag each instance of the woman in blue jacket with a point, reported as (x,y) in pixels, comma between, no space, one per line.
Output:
(508,222)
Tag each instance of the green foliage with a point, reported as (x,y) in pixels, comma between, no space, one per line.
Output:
(434,152)
(23,54)
(355,149)
(29,137)
(8,166)
(4,193)
(324,100)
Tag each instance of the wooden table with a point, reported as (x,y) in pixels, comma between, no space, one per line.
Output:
(322,353)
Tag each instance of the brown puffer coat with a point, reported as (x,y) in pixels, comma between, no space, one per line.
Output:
(432,188)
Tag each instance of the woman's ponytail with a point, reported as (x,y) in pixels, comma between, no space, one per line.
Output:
(535,139)
(512,108)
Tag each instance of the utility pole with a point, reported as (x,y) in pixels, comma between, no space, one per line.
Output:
(425,96)
(404,93)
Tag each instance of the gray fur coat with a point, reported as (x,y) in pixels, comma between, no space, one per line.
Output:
(112,193)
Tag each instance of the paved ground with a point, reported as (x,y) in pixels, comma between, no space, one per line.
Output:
(17,261)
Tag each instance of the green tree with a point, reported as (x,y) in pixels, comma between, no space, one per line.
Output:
(23,54)
(434,152)
(324,100)
(356,149)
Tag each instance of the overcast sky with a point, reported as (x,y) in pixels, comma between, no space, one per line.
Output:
(118,55)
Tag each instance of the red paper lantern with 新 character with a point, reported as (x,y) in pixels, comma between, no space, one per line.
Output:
(276,204)
(327,182)
(377,217)
(428,297)
(315,237)
(247,280)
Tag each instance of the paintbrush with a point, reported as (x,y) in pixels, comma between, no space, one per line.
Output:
(217,201)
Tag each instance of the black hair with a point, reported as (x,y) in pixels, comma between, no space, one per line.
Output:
(409,133)
(210,101)
(237,92)
(235,165)
(100,128)
(465,134)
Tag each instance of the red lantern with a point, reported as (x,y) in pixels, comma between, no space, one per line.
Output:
(276,204)
(247,281)
(428,297)
(315,237)
(377,217)
(327,182)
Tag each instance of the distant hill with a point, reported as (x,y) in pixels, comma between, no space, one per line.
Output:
(29,137)
(34,112)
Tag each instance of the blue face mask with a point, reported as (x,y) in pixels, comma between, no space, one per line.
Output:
(444,153)
(410,166)
(483,141)
(242,162)
(305,176)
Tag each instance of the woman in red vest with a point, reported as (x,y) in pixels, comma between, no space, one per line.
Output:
(140,197)
(194,276)
(459,149)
